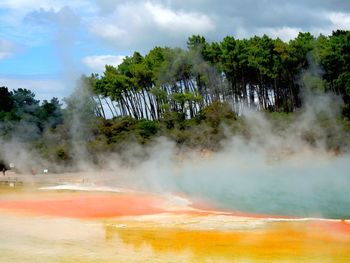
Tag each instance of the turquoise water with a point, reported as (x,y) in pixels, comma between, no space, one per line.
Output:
(276,196)
(295,192)
(314,187)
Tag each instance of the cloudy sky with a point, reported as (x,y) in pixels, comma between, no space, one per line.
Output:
(45,45)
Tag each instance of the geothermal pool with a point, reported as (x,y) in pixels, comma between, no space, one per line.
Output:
(77,224)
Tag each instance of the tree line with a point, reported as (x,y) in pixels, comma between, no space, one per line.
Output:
(259,73)
(184,95)
(24,116)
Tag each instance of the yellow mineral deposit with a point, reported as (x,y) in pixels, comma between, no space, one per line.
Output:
(135,227)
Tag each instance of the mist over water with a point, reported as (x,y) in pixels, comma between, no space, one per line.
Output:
(305,184)
(272,171)
(306,189)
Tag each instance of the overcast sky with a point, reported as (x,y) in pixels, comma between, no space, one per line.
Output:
(45,45)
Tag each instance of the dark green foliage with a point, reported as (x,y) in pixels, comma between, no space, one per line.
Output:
(334,56)
(6,100)
(147,128)
(174,120)
(216,112)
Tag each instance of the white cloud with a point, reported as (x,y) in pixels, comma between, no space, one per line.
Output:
(179,21)
(340,20)
(146,24)
(7,49)
(108,31)
(97,63)
(284,33)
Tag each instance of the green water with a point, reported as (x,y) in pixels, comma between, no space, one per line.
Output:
(295,194)
(314,187)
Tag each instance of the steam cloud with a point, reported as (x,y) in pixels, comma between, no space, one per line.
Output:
(268,174)
(277,169)
(272,172)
